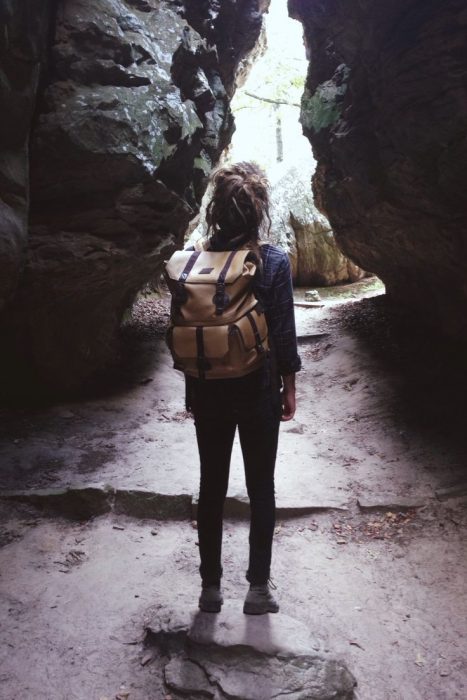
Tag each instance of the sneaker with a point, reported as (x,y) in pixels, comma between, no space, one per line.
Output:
(210,599)
(259,600)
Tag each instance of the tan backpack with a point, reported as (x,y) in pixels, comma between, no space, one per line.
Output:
(218,327)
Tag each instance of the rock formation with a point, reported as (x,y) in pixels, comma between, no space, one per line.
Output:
(299,228)
(385,108)
(132,113)
(22,42)
(243,657)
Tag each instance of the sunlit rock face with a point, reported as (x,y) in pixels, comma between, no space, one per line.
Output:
(305,233)
(385,108)
(132,113)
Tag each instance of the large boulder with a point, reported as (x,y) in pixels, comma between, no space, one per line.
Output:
(305,233)
(133,114)
(22,42)
(385,108)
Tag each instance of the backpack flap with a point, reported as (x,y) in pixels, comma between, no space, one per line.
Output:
(205,285)
(205,267)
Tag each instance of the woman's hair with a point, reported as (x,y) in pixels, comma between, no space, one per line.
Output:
(239,207)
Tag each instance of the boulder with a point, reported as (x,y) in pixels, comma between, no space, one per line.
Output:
(385,108)
(132,115)
(299,228)
(231,655)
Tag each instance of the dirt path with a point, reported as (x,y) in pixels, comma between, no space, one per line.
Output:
(370,543)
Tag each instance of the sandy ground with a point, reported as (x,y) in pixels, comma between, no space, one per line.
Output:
(375,461)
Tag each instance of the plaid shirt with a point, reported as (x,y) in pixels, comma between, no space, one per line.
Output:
(273,287)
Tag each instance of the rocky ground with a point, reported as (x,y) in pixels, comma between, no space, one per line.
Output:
(98,557)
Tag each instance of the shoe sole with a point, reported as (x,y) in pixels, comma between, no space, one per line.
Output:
(210,607)
(252,609)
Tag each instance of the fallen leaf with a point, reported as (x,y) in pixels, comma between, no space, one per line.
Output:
(420,661)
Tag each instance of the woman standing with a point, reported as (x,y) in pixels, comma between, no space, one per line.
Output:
(255,403)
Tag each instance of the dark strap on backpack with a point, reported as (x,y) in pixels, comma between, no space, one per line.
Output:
(221,299)
(254,326)
(203,363)
(189,266)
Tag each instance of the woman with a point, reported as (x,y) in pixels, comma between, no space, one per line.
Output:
(255,403)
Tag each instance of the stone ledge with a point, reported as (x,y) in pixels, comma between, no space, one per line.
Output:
(232,655)
(84,501)
(391,502)
(238,506)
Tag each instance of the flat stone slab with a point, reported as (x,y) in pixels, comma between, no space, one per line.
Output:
(80,502)
(244,657)
(84,501)
(391,502)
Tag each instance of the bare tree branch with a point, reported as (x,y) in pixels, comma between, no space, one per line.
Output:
(271,101)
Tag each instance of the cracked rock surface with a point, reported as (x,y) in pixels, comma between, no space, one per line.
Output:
(231,655)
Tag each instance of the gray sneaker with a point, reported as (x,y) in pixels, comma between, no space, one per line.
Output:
(259,600)
(210,599)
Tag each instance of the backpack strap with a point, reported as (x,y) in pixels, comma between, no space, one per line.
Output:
(203,363)
(254,326)
(221,299)
(189,266)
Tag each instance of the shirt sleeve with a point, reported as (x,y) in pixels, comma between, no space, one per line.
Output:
(281,320)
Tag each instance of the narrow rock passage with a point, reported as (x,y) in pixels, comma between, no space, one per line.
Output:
(369,543)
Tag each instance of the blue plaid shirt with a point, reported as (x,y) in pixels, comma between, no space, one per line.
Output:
(273,287)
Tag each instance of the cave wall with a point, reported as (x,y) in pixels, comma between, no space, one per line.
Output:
(22,45)
(132,114)
(385,108)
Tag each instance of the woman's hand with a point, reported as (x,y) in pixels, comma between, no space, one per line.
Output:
(288,397)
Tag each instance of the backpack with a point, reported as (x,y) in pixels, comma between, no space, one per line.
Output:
(218,327)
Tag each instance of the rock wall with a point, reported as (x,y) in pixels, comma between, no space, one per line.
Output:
(22,43)
(133,113)
(385,108)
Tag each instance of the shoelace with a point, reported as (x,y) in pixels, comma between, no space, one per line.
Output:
(272,584)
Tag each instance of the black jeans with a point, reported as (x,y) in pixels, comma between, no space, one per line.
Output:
(220,405)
